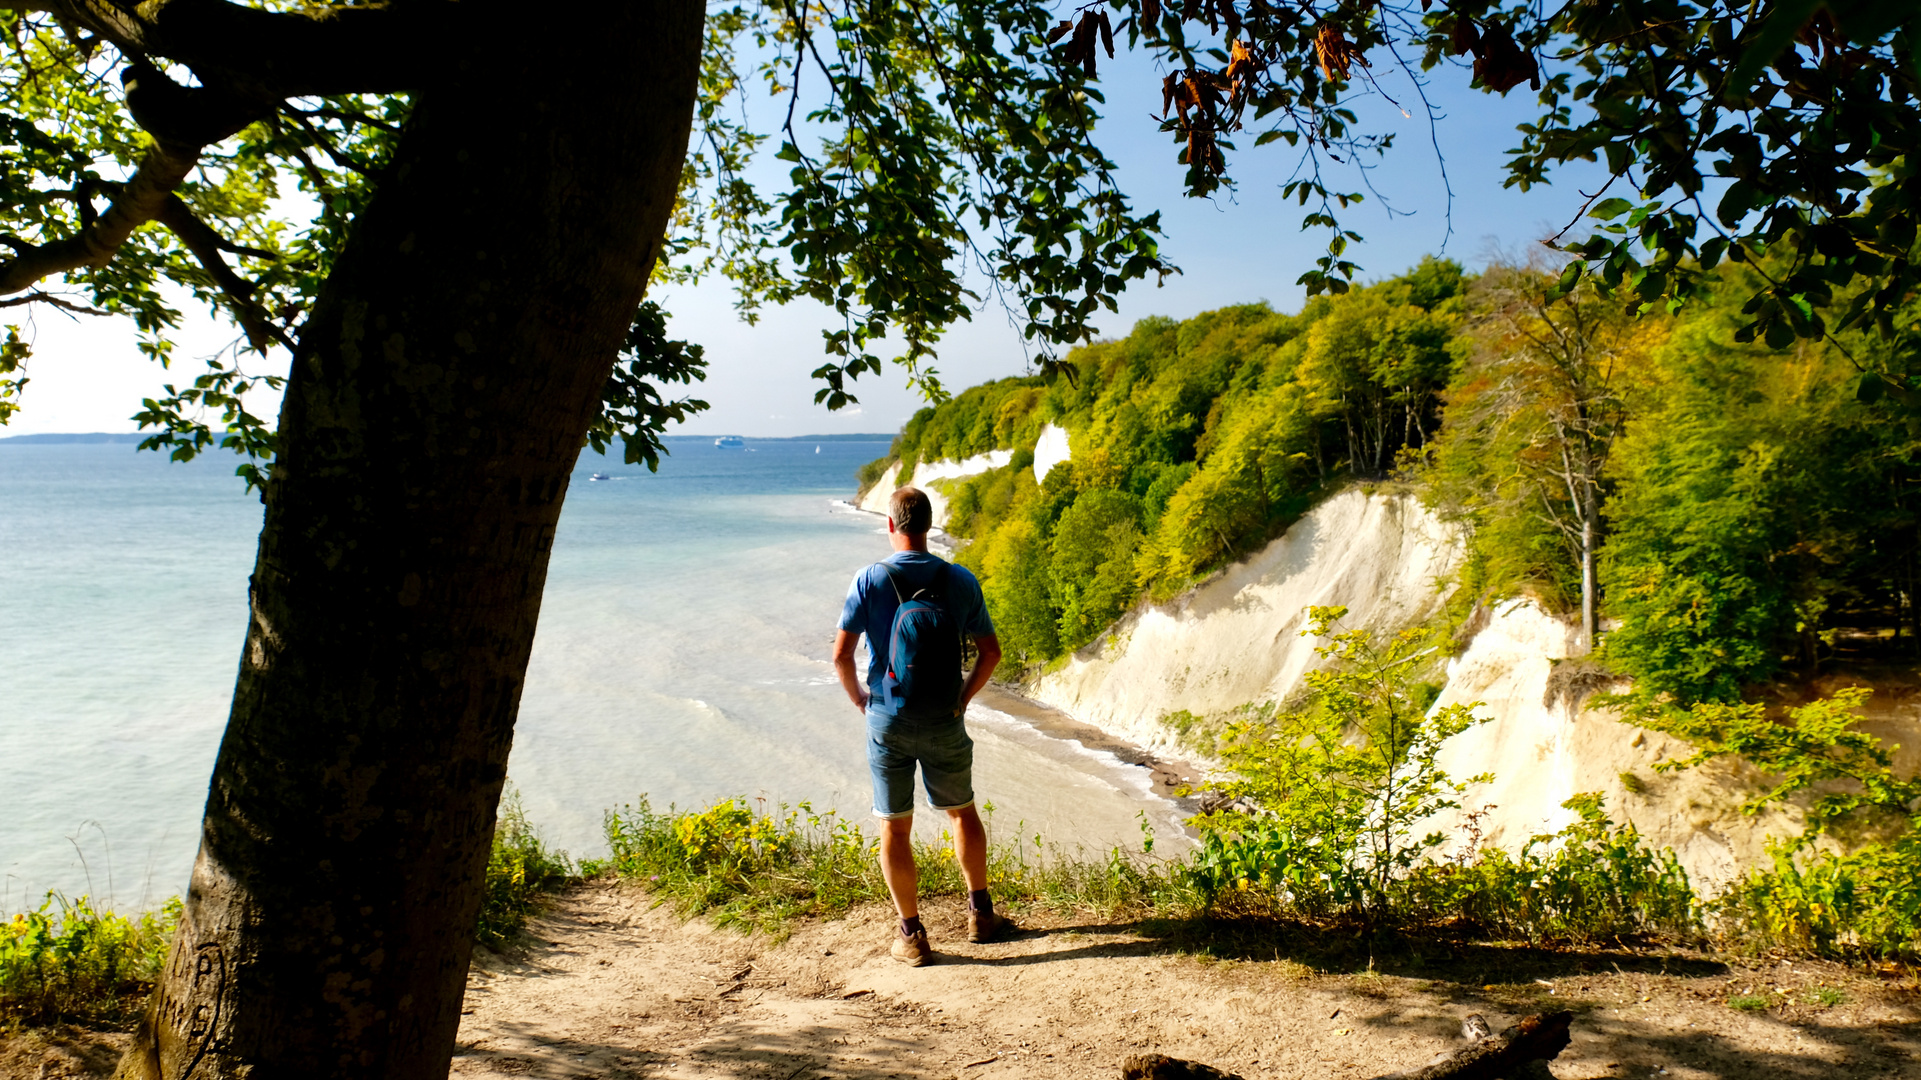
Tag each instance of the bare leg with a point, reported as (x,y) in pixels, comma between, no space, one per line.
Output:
(970,846)
(897,865)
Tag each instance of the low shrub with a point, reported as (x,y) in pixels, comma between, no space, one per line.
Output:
(1862,904)
(70,962)
(519,870)
(1591,881)
(1346,784)
(1859,900)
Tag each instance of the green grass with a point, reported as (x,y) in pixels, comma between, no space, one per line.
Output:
(70,962)
(744,867)
(1827,997)
(521,869)
(1750,1002)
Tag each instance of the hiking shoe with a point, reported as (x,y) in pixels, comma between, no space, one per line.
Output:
(912,950)
(987,927)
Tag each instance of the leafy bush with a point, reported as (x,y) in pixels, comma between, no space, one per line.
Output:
(1818,895)
(870,473)
(1343,783)
(70,962)
(1865,903)
(1593,880)
(520,869)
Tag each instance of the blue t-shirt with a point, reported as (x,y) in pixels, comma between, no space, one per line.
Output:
(871,605)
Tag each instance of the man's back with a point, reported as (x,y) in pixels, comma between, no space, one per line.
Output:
(872,603)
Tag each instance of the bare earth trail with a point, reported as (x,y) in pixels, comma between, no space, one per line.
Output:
(609,985)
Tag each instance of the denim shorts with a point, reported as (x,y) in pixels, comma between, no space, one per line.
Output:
(941,748)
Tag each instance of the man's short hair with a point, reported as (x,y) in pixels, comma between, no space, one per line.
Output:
(912,511)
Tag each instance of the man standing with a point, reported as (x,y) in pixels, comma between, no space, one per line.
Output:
(916,708)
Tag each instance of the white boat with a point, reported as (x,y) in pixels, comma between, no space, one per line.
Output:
(730,442)
(600,476)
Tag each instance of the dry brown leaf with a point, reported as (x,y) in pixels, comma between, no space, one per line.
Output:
(1241,66)
(1084,42)
(1465,35)
(1501,65)
(1231,17)
(1333,51)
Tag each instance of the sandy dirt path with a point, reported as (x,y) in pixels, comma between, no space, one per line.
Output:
(609,985)
(612,986)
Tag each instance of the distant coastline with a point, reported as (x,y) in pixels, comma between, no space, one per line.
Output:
(862,436)
(134,437)
(77,437)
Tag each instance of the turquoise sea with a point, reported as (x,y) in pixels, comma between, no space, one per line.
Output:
(682,654)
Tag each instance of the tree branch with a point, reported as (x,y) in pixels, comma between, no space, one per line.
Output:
(182,120)
(39,297)
(206,245)
(141,200)
(270,54)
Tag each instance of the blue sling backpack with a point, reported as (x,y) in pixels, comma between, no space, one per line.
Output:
(923,680)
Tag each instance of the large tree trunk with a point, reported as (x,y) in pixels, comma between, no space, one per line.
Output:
(437,402)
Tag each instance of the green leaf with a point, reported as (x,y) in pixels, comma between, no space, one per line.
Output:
(1775,36)
(1609,209)
(1735,203)
(1869,388)
(1569,277)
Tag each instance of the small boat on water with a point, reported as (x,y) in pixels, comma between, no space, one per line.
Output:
(816,449)
(600,476)
(730,442)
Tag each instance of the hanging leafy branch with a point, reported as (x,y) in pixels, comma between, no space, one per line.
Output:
(1733,126)
(940,152)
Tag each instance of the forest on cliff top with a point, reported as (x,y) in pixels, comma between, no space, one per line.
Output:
(1729,509)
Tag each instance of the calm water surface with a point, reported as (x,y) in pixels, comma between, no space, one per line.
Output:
(682,655)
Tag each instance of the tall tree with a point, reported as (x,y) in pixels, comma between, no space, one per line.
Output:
(1536,410)
(493,191)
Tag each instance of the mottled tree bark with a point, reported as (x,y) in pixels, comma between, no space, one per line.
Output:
(437,402)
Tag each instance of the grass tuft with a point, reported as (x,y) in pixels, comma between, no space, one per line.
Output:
(70,962)
(520,870)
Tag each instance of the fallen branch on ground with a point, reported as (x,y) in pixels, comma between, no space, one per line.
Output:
(1517,1053)
(1162,1067)
(1513,1054)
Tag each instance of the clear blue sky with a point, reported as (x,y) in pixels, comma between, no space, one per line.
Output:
(1248,246)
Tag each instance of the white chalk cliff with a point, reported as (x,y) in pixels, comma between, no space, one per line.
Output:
(1050,450)
(1236,639)
(932,477)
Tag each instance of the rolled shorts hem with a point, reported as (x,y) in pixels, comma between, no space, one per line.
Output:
(894,817)
(956,806)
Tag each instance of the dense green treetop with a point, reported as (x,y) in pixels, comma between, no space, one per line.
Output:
(1750,516)
(1192,442)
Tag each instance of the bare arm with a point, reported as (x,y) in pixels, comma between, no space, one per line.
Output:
(844,643)
(990,650)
